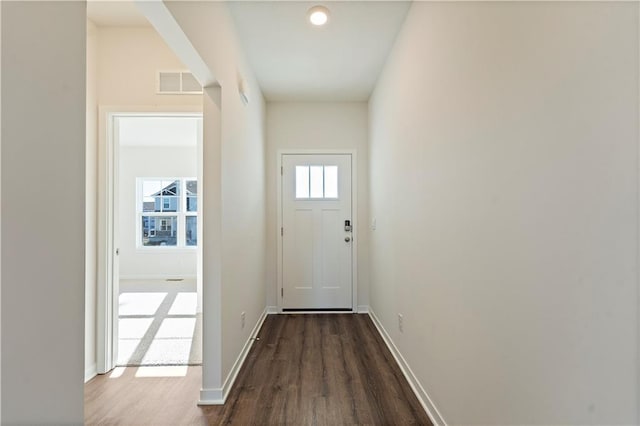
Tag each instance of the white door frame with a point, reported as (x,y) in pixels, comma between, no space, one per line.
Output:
(354,217)
(107,284)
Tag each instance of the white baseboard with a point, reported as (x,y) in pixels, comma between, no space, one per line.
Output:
(415,384)
(90,372)
(211,397)
(219,396)
(272,310)
(363,309)
(316,312)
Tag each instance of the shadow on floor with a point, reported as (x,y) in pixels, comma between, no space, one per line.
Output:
(158,324)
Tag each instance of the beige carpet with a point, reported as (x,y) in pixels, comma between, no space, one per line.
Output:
(158,324)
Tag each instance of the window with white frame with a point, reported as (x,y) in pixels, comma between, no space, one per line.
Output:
(316,182)
(167,210)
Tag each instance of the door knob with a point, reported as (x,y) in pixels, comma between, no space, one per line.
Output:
(347,239)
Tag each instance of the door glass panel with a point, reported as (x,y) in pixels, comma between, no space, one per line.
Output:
(330,181)
(302,181)
(317,182)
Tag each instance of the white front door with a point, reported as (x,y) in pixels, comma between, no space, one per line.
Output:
(316,233)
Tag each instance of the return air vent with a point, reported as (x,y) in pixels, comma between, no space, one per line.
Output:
(178,83)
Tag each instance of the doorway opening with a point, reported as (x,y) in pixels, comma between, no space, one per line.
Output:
(153,291)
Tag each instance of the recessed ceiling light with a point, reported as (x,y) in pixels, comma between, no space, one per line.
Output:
(318,15)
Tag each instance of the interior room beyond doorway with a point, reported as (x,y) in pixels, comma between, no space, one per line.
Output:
(159,316)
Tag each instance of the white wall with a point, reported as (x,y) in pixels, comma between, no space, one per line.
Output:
(504,161)
(209,27)
(43,164)
(122,67)
(128,60)
(152,262)
(318,126)
(91,207)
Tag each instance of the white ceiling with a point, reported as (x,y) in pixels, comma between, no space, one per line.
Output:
(293,60)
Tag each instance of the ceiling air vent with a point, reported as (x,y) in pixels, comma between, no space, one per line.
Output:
(178,83)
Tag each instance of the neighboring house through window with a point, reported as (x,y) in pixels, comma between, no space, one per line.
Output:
(167,212)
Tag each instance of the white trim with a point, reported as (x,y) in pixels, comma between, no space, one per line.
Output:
(363,309)
(638,256)
(90,372)
(272,310)
(354,214)
(107,287)
(211,397)
(316,312)
(416,386)
(105,318)
(219,396)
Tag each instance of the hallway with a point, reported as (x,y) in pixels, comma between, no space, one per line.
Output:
(494,224)
(305,369)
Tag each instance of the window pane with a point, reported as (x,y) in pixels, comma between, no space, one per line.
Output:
(192,195)
(170,187)
(192,230)
(192,187)
(170,204)
(192,204)
(302,181)
(150,195)
(169,194)
(160,195)
(330,181)
(159,230)
(317,187)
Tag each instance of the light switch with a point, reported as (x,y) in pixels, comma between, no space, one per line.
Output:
(374,224)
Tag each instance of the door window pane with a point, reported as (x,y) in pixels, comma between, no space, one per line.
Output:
(316,182)
(191,230)
(330,181)
(302,181)
(317,186)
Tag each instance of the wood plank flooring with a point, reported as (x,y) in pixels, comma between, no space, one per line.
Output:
(305,370)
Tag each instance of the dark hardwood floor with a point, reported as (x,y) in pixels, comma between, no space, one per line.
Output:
(305,370)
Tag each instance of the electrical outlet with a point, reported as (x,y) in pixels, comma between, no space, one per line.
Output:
(400,323)
(242,318)
(374,224)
